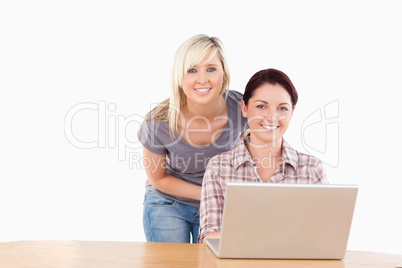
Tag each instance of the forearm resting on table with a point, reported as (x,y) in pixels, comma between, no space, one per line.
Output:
(211,235)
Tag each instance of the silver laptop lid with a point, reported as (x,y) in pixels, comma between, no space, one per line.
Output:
(286,221)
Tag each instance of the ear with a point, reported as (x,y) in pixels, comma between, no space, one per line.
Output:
(243,109)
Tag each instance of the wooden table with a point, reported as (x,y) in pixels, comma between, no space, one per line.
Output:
(55,254)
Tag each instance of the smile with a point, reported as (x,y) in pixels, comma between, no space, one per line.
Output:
(270,128)
(202,90)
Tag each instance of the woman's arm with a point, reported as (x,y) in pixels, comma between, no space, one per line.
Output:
(211,235)
(212,199)
(155,167)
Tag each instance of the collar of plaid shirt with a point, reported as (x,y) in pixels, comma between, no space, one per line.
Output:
(241,155)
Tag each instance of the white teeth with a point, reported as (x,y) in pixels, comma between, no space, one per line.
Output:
(269,127)
(202,89)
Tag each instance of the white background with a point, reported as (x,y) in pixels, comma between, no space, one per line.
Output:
(55,55)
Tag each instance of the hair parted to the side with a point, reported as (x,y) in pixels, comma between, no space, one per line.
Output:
(187,56)
(270,76)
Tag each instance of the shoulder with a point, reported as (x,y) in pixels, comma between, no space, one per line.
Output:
(229,161)
(219,164)
(234,96)
(298,159)
(307,168)
(233,103)
(221,160)
(306,159)
(153,126)
(154,136)
(311,167)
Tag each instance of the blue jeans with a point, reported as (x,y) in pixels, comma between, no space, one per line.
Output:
(166,220)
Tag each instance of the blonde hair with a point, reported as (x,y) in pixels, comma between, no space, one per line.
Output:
(188,55)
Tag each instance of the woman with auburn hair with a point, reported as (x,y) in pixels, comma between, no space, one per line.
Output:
(201,118)
(261,156)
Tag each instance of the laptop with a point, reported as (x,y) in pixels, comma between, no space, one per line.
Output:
(285,221)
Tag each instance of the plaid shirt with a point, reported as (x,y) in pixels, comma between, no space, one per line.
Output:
(237,166)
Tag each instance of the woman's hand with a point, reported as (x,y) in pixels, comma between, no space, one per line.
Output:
(211,235)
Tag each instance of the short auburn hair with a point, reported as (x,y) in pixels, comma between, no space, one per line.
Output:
(273,77)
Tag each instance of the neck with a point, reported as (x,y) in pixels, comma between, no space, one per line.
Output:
(271,150)
(210,110)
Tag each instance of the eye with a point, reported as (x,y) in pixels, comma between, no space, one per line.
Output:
(261,106)
(192,70)
(211,69)
(283,109)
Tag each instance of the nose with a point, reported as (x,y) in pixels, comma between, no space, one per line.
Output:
(202,77)
(271,116)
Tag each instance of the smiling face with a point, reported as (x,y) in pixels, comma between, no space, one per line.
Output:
(269,112)
(202,83)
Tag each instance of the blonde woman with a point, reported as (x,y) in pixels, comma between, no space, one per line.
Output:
(201,118)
